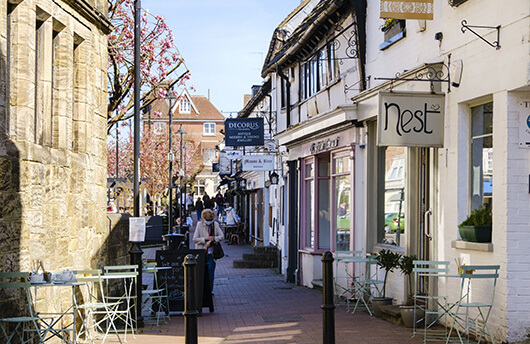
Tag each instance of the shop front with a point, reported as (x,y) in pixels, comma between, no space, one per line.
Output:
(403,139)
(326,198)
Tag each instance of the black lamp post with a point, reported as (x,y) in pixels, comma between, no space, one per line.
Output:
(170,100)
(181,131)
(185,147)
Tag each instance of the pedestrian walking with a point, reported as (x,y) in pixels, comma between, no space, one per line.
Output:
(206,232)
(219,201)
(199,206)
(208,203)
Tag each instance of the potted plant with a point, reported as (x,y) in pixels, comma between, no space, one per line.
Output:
(477,226)
(388,261)
(408,314)
(392,27)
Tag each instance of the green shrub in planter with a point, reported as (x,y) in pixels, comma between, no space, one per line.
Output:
(477,226)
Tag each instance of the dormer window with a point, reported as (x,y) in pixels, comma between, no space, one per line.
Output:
(185,105)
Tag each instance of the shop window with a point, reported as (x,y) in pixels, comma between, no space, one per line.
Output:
(324,223)
(391,204)
(316,207)
(342,201)
(308,207)
(482,155)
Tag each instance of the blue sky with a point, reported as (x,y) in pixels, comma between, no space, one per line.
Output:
(223,42)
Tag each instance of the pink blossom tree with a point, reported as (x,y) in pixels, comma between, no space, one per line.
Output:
(154,163)
(162,66)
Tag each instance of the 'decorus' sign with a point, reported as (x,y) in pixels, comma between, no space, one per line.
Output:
(244,132)
(175,278)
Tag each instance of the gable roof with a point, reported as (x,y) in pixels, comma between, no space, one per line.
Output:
(201,109)
(306,36)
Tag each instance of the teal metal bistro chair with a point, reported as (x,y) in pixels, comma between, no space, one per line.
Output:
(121,284)
(476,307)
(431,299)
(24,328)
(97,313)
(343,277)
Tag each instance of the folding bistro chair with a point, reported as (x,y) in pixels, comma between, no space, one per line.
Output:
(484,278)
(123,291)
(429,301)
(367,283)
(25,328)
(96,313)
(343,276)
(155,299)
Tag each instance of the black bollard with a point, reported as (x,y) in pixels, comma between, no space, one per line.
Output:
(136,259)
(328,306)
(190,299)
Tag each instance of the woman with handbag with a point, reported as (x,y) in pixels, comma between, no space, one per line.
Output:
(206,234)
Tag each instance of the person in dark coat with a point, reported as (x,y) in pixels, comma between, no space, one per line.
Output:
(208,203)
(199,206)
(219,200)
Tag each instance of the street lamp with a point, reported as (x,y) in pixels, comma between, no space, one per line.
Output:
(170,98)
(181,131)
(185,147)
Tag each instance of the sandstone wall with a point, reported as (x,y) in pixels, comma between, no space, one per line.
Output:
(53,65)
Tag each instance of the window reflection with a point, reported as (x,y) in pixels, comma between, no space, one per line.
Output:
(394,214)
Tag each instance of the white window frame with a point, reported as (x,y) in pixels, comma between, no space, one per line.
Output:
(185,105)
(208,129)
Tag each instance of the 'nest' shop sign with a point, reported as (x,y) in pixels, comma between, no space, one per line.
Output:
(410,119)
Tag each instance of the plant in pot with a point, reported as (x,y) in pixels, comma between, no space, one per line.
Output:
(408,314)
(477,226)
(388,261)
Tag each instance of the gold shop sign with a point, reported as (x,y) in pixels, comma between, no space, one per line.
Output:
(407,9)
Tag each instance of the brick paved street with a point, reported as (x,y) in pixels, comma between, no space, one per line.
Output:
(257,306)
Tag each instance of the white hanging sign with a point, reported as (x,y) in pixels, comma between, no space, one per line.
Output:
(137,229)
(410,119)
(257,163)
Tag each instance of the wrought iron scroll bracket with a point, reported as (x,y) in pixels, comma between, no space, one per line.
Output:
(494,44)
(438,72)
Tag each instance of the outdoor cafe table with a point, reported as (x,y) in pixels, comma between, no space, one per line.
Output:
(51,294)
(228,229)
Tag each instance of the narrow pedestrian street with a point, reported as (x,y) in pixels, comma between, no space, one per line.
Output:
(257,306)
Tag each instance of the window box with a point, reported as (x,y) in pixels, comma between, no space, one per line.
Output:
(392,33)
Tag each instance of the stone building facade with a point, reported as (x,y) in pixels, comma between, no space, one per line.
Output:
(53,99)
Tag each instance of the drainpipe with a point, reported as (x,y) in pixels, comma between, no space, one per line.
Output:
(284,77)
(270,114)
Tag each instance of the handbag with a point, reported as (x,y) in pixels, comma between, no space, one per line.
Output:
(217,252)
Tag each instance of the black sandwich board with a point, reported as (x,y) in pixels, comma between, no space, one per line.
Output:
(175,278)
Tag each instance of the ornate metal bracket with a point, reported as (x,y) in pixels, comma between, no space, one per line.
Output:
(494,44)
(351,50)
(351,87)
(436,72)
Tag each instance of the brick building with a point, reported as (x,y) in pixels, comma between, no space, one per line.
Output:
(203,123)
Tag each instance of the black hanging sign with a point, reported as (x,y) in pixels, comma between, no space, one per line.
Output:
(244,132)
